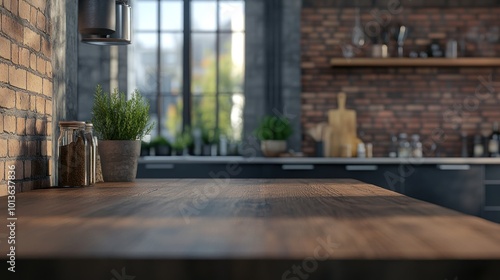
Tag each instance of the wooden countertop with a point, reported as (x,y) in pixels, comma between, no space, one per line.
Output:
(237,219)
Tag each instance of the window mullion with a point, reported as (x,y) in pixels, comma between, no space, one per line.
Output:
(186,67)
(217,78)
(159,98)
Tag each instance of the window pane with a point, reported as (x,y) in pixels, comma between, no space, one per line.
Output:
(203,16)
(171,115)
(171,71)
(203,111)
(203,63)
(232,15)
(231,62)
(145,70)
(231,115)
(145,15)
(172,15)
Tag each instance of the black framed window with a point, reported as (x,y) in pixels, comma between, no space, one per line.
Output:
(188,59)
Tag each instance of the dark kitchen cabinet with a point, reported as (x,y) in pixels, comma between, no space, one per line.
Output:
(472,189)
(492,193)
(198,170)
(458,187)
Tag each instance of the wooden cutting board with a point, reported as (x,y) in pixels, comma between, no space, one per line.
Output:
(343,128)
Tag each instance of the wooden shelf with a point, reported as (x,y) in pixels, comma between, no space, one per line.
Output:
(417,62)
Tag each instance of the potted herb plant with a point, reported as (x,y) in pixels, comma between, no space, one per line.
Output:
(182,143)
(161,145)
(210,139)
(273,132)
(120,124)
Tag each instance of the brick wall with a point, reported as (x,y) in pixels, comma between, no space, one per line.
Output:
(25,93)
(437,103)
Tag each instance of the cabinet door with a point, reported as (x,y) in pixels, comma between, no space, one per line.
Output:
(458,187)
(385,176)
(198,170)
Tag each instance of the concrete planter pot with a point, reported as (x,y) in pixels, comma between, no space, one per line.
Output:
(119,159)
(272,148)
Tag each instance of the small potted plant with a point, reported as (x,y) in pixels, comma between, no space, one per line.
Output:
(181,144)
(210,139)
(120,124)
(273,132)
(161,146)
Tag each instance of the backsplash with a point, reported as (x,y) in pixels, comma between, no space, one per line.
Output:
(437,103)
(25,95)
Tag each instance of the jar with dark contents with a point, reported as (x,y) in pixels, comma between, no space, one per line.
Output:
(91,153)
(72,161)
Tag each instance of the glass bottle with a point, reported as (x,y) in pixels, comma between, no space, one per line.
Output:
(404,149)
(72,160)
(393,152)
(478,146)
(493,143)
(416,146)
(91,153)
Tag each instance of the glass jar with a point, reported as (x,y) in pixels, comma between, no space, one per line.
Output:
(416,146)
(72,161)
(91,153)
(404,149)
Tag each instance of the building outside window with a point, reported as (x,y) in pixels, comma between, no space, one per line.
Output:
(204,38)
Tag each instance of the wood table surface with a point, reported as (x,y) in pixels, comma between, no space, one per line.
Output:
(261,220)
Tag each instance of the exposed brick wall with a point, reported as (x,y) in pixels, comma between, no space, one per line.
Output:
(425,100)
(25,93)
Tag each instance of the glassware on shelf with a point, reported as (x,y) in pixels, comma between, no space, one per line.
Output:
(393,151)
(91,153)
(478,146)
(404,149)
(358,35)
(72,164)
(416,146)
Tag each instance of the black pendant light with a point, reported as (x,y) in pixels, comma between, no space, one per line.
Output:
(104,22)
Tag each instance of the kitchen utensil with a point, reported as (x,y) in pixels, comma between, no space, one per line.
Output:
(358,35)
(316,132)
(402,34)
(343,128)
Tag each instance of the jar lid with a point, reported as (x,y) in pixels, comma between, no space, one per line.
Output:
(71,124)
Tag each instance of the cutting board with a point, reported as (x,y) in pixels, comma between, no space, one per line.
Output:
(342,124)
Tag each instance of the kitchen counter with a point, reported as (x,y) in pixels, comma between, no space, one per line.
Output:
(314,160)
(246,229)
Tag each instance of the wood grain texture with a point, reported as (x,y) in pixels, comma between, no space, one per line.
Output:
(244,219)
(417,62)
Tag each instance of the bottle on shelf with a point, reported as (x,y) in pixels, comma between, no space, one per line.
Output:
(404,149)
(393,150)
(494,141)
(478,146)
(361,150)
(416,146)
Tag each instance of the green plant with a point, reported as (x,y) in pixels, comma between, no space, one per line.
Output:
(159,141)
(116,118)
(274,128)
(183,140)
(210,136)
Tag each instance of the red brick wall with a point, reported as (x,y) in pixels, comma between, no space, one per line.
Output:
(428,101)
(25,93)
